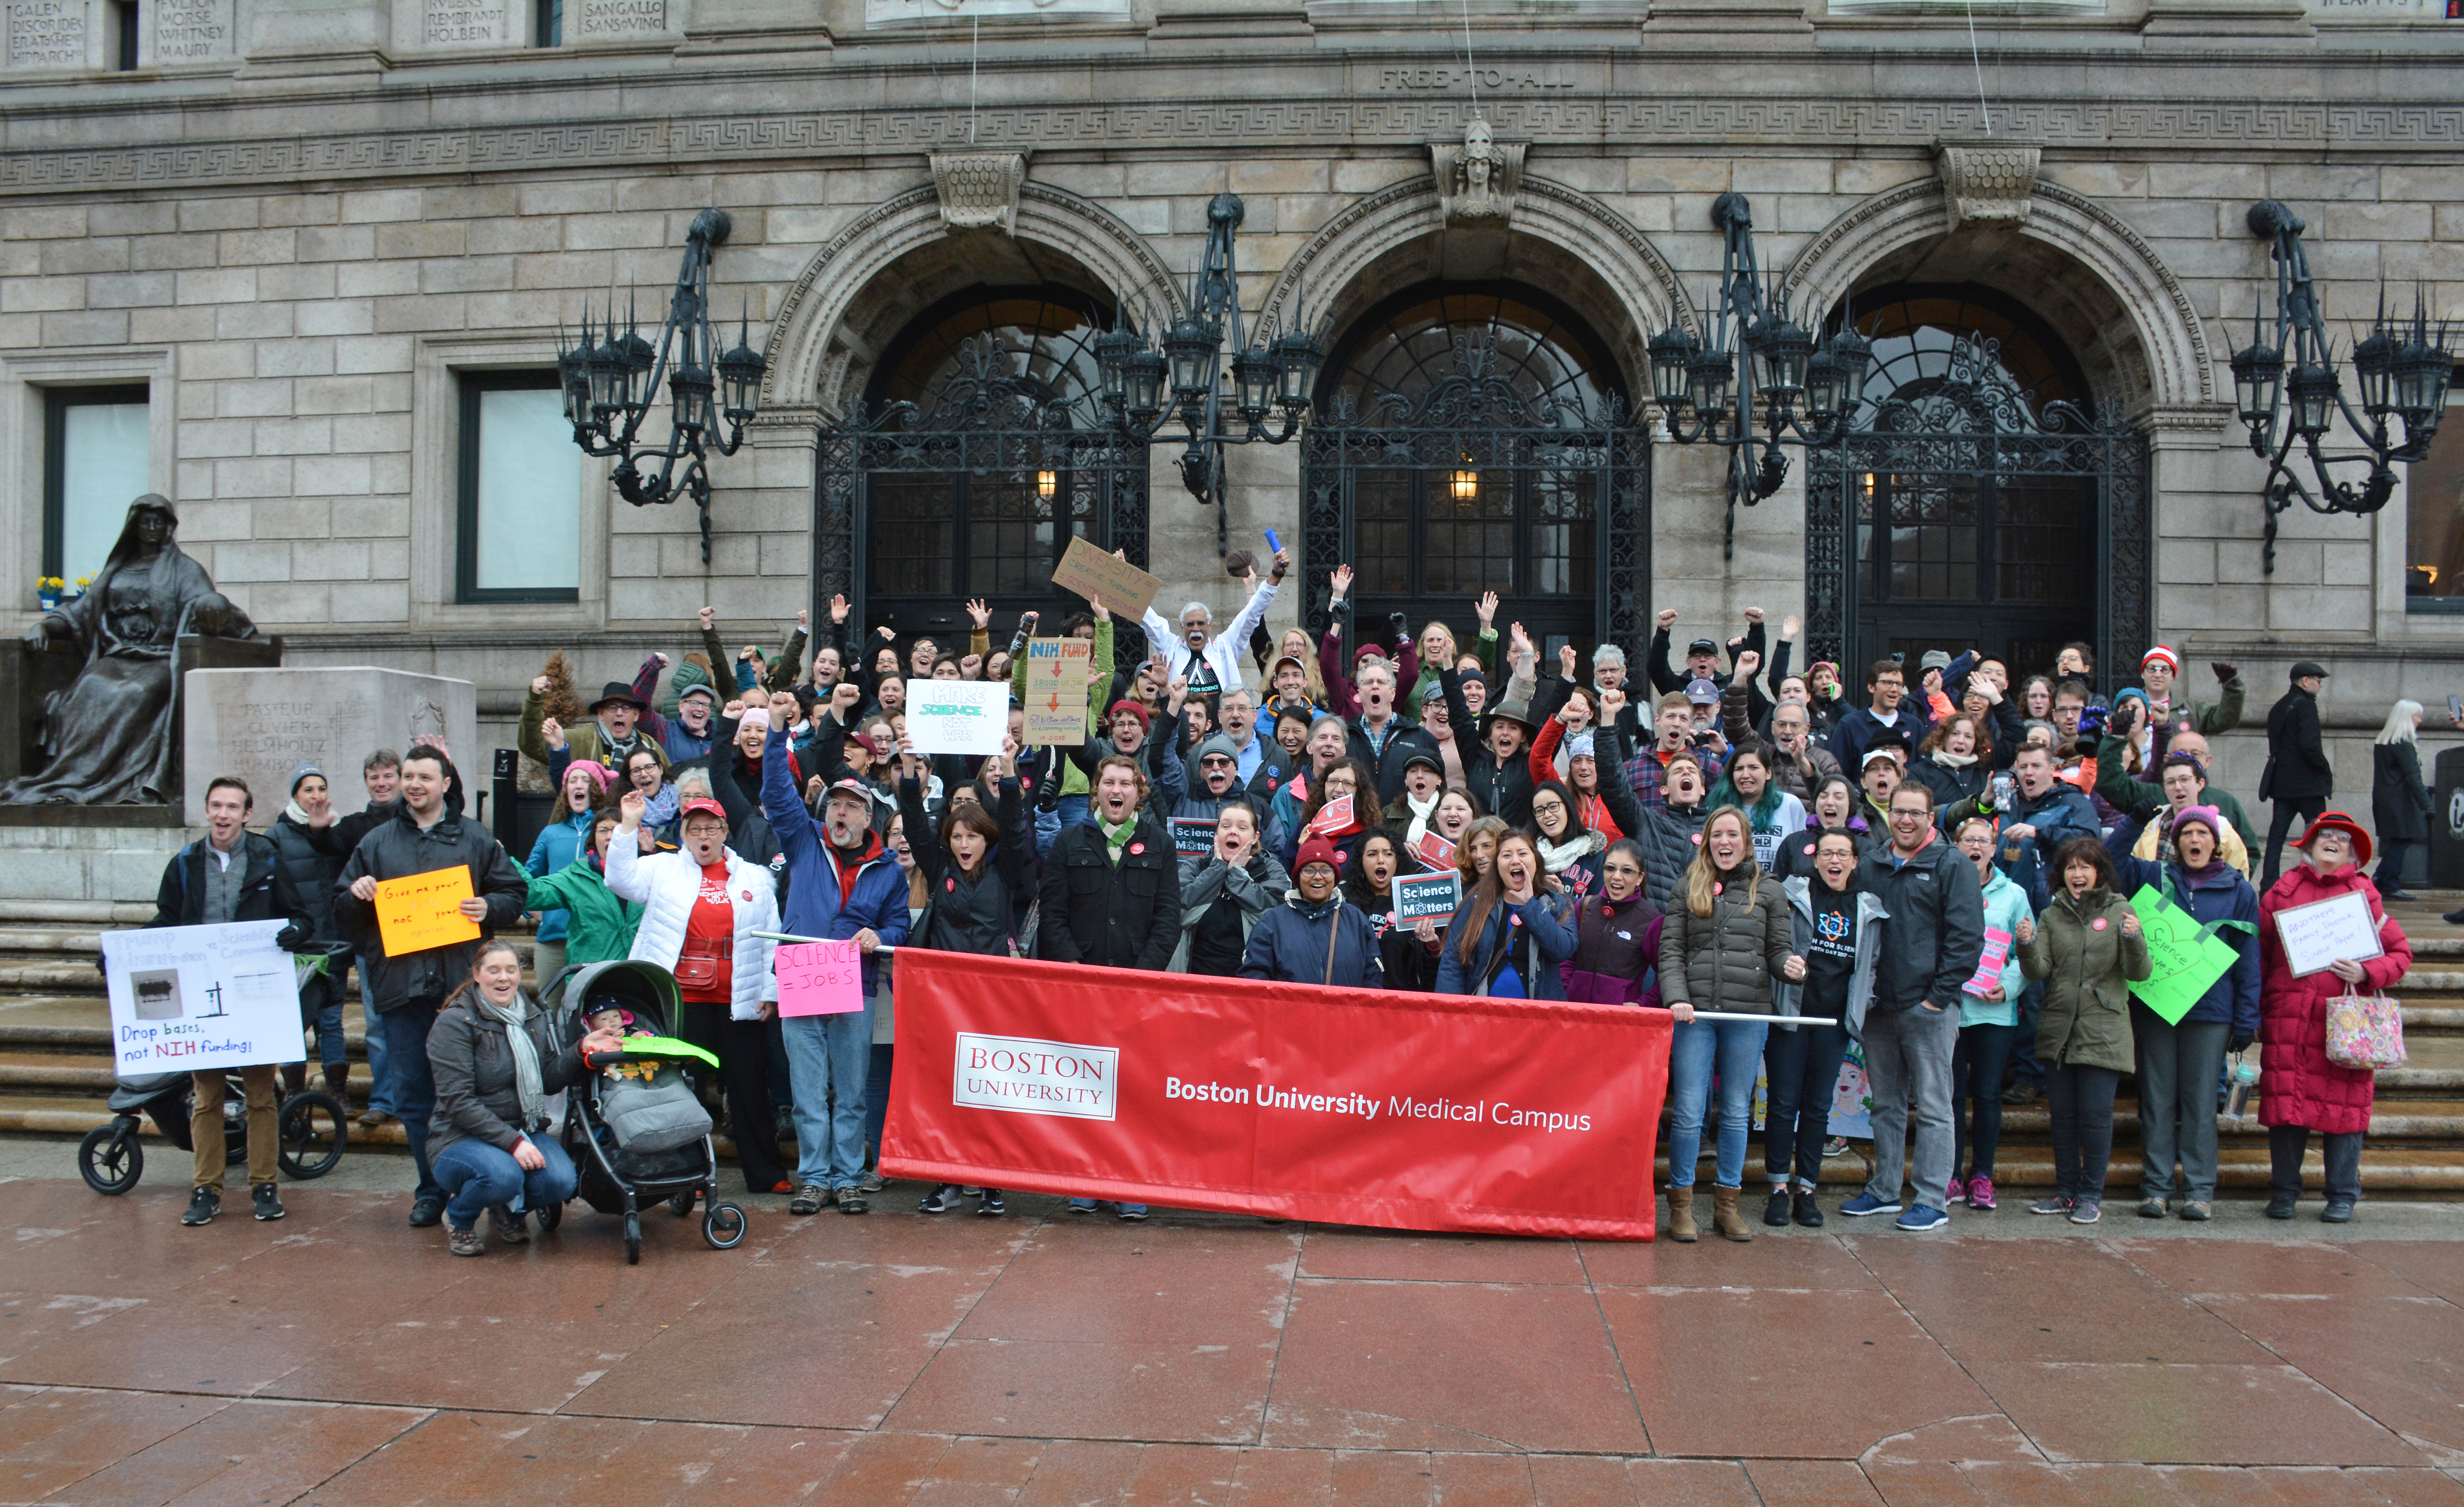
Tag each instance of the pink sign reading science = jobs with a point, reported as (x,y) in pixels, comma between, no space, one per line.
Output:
(820,978)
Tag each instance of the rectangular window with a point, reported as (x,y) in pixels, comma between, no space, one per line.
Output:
(97,458)
(521,491)
(2433,490)
(550,31)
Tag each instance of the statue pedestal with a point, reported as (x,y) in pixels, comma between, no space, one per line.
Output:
(27,675)
(259,725)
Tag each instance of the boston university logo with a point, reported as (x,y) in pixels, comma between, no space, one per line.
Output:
(1027,1076)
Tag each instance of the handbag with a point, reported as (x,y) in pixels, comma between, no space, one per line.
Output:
(699,959)
(2364,1031)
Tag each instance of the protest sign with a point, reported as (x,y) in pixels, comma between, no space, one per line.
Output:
(2187,960)
(1121,587)
(1434,850)
(420,910)
(196,998)
(1192,836)
(2318,934)
(1334,816)
(1989,965)
(957,717)
(1419,895)
(1056,690)
(818,978)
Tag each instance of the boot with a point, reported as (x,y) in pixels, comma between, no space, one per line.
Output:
(295,1079)
(337,1083)
(1725,1217)
(1681,1216)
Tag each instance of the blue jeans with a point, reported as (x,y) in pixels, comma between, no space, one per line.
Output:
(414,1090)
(321,1004)
(828,1059)
(380,1086)
(480,1176)
(1735,1048)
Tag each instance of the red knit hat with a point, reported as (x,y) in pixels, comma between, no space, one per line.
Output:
(1133,708)
(2338,821)
(1317,849)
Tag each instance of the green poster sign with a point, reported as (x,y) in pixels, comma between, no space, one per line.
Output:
(2187,959)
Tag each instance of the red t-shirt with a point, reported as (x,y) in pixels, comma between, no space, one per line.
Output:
(712,927)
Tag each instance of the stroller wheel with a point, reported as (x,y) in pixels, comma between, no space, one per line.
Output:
(682,1204)
(312,1132)
(632,1239)
(723,1227)
(110,1160)
(549,1215)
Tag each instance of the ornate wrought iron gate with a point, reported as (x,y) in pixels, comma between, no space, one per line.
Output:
(1960,514)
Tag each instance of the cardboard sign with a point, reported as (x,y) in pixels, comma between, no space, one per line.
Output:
(2318,934)
(820,978)
(1334,816)
(1434,850)
(1192,836)
(1056,690)
(2187,960)
(1122,587)
(1989,965)
(189,998)
(424,911)
(957,717)
(1419,895)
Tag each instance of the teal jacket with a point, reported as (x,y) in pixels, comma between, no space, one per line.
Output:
(2006,904)
(601,927)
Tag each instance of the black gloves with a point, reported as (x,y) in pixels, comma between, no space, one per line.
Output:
(1396,621)
(292,937)
(2145,811)
(2223,672)
(2238,1041)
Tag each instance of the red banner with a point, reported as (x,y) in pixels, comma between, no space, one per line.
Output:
(1347,1106)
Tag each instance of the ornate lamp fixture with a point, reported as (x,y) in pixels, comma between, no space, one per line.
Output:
(2402,372)
(609,387)
(1145,388)
(1708,391)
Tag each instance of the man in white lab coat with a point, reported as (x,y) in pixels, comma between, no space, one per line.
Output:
(1211,665)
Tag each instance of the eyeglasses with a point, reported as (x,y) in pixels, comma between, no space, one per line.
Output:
(1903,813)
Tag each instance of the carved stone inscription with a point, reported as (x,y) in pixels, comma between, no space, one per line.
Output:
(466,23)
(609,20)
(47,34)
(192,30)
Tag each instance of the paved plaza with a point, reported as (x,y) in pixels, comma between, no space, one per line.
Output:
(338,1357)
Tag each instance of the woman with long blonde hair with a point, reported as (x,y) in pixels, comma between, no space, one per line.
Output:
(1724,946)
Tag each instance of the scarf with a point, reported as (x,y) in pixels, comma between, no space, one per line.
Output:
(1561,856)
(527,1084)
(1420,815)
(2205,871)
(1951,760)
(1115,838)
(661,808)
(299,817)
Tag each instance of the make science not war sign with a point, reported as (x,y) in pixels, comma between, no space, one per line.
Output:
(186,998)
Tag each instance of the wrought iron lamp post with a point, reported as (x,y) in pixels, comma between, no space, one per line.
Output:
(1145,388)
(1808,390)
(2401,373)
(609,387)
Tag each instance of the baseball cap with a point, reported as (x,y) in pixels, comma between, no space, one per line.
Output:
(1703,692)
(701,805)
(853,790)
(1703,646)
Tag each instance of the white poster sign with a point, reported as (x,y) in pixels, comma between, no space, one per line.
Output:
(957,716)
(2324,931)
(186,998)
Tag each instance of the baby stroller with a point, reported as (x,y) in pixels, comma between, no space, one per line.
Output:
(641,1136)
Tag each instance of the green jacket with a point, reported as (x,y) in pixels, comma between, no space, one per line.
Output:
(601,926)
(2086,963)
(1484,644)
(1099,684)
(2126,795)
(583,738)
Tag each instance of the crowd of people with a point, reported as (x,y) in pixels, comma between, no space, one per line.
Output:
(1933,864)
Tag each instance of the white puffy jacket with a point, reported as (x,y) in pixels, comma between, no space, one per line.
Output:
(666,884)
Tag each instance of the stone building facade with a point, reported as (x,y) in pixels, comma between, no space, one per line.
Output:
(297,242)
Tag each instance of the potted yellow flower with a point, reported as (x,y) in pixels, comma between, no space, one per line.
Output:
(47,591)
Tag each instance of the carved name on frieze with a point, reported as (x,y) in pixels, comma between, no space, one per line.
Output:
(1500,79)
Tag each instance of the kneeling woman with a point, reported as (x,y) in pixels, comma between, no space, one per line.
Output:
(495,1065)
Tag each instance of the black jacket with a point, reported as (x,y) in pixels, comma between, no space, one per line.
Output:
(2297,759)
(1937,927)
(979,915)
(1503,790)
(2399,803)
(473,1061)
(397,849)
(309,857)
(266,891)
(1404,738)
(1125,915)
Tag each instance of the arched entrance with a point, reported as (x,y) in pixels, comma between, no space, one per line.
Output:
(1476,436)
(974,456)
(1982,501)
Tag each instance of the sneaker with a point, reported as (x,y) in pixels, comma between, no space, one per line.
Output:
(941,1201)
(1922,1219)
(2398,894)
(2197,1210)
(2022,1094)
(266,1203)
(2057,1203)
(1864,1205)
(1775,1211)
(993,1205)
(465,1243)
(1834,1146)
(850,1201)
(2086,1211)
(1958,1192)
(1804,1209)
(2152,1208)
(872,1183)
(2279,1206)
(203,1206)
(1082,1206)
(514,1229)
(425,1212)
(2339,1211)
(1980,1194)
(1136,1211)
(811,1199)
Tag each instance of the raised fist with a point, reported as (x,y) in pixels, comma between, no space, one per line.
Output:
(539,685)
(2223,672)
(1753,614)
(551,732)
(1748,663)
(1668,618)
(707,616)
